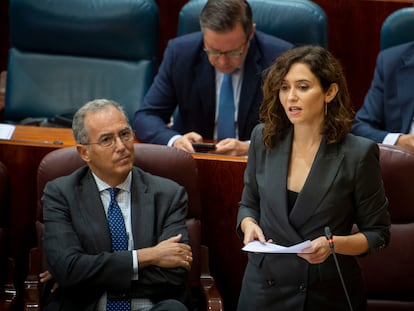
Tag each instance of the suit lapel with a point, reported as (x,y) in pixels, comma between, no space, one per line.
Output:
(275,218)
(142,211)
(404,86)
(250,85)
(279,164)
(320,179)
(205,83)
(93,214)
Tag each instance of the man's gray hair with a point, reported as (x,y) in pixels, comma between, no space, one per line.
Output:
(80,132)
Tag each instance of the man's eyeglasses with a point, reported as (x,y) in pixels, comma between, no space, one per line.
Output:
(107,141)
(233,54)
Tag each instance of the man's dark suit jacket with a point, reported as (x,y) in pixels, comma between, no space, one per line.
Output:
(186,80)
(344,187)
(389,103)
(78,244)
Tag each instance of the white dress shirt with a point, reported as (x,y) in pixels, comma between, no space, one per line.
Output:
(391,138)
(124,201)
(237,78)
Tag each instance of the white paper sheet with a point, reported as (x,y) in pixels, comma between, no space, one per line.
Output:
(258,247)
(6,131)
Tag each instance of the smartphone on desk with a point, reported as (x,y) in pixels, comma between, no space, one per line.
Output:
(203,147)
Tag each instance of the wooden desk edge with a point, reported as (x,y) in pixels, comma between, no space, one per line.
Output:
(51,137)
(40,137)
(218,157)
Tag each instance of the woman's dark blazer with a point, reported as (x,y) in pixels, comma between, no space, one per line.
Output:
(344,186)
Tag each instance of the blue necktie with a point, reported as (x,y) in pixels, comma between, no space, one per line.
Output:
(119,243)
(225,119)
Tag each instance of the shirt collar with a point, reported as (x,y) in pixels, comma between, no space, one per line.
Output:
(125,185)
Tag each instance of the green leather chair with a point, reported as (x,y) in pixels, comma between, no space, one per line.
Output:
(297,21)
(398,28)
(65,53)
(159,160)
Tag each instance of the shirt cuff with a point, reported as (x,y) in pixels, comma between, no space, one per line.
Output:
(172,140)
(135,263)
(391,138)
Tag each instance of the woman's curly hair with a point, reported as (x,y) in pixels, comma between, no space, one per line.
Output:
(328,70)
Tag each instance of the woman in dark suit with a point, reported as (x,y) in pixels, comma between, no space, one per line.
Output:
(305,172)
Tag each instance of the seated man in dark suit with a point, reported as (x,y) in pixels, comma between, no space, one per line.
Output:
(190,77)
(387,115)
(115,236)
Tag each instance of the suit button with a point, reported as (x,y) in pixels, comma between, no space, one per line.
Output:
(270,282)
(302,288)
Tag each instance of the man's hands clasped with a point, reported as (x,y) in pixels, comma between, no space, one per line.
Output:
(172,254)
(228,146)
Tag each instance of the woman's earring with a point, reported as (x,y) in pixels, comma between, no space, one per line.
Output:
(326,109)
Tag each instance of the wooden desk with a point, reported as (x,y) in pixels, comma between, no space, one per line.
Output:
(222,183)
(221,179)
(22,155)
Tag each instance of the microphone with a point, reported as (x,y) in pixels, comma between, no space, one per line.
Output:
(329,237)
